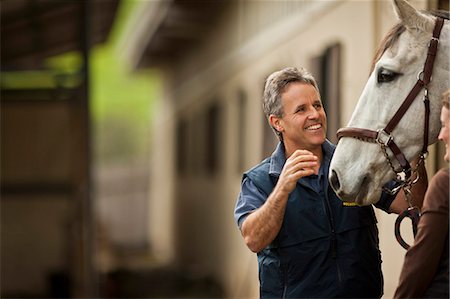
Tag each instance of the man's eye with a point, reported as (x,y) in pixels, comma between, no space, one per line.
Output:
(386,75)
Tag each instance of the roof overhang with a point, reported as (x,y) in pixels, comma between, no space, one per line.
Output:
(33,30)
(161,31)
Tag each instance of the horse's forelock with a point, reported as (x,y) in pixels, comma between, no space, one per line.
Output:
(393,35)
(390,38)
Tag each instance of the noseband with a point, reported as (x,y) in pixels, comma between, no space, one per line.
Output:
(385,139)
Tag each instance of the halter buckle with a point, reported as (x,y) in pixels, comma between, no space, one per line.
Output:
(383,137)
(435,39)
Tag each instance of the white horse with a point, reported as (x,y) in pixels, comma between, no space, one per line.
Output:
(360,166)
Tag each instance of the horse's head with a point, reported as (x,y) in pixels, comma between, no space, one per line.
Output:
(360,168)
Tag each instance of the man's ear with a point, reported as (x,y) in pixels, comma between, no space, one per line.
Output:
(275,122)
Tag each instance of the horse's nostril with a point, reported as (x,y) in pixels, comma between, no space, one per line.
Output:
(334,180)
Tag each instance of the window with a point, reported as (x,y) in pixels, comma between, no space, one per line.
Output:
(326,68)
(443,5)
(213,138)
(182,146)
(241,130)
(197,145)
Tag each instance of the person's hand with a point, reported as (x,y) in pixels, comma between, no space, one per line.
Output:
(300,164)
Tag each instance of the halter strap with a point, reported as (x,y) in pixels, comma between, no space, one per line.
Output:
(421,82)
(383,137)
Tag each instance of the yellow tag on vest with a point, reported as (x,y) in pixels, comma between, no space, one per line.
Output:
(349,204)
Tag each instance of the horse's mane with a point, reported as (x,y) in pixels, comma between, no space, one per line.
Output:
(393,35)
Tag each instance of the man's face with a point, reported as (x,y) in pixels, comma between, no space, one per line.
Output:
(304,122)
(444,133)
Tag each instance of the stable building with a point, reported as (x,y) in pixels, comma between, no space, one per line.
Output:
(213,57)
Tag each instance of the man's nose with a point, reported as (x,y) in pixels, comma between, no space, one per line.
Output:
(313,114)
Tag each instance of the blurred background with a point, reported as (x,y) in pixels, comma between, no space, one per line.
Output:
(126,126)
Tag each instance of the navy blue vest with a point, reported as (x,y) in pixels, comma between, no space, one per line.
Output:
(324,249)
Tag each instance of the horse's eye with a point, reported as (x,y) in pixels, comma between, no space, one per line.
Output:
(386,76)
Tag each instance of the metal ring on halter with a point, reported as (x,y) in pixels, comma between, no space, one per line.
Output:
(420,78)
(380,134)
(408,194)
(393,191)
(420,75)
(416,179)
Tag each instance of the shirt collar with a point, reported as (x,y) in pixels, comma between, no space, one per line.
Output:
(278,158)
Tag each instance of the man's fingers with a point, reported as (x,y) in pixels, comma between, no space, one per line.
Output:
(302,157)
(304,172)
(301,152)
(301,162)
(303,165)
(297,171)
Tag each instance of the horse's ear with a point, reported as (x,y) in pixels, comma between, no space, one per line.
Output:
(411,17)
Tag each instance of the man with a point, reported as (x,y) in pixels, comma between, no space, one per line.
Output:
(426,268)
(308,242)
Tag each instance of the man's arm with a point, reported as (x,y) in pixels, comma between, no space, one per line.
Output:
(261,227)
(418,192)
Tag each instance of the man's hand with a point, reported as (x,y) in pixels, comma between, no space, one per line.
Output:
(262,226)
(300,164)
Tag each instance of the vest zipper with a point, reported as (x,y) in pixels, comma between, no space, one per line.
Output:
(331,221)
(284,282)
(333,234)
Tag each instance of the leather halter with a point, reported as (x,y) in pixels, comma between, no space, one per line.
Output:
(383,136)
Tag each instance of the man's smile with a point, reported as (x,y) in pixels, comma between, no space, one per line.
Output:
(314,127)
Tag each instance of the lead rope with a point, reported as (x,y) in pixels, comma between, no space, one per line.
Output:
(412,212)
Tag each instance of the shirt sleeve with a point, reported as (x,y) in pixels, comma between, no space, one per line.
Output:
(386,199)
(422,259)
(250,198)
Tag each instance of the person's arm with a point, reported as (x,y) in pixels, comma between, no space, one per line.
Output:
(261,227)
(418,193)
(422,259)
